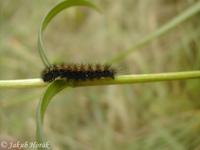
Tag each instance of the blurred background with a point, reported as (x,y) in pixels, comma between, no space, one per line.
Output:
(150,116)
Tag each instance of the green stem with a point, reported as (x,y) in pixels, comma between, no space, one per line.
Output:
(120,79)
(22,83)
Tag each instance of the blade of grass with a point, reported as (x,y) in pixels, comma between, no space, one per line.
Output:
(190,12)
(51,91)
(50,15)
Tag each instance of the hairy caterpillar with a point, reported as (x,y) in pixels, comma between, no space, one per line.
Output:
(77,72)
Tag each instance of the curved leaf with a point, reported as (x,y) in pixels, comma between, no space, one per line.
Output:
(51,91)
(50,15)
(56,86)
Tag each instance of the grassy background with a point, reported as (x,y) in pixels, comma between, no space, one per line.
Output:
(141,116)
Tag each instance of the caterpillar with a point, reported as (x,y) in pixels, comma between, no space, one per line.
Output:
(77,72)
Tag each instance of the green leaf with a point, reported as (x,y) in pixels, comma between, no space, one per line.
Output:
(56,86)
(51,91)
(188,13)
(51,14)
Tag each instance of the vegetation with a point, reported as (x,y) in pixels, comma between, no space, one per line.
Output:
(142,116)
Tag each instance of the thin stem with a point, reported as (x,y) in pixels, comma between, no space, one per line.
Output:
(121,79)
(22,83)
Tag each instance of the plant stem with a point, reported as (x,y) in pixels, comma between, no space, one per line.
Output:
(120,79)
(22,83)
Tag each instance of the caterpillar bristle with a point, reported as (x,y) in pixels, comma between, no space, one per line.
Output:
(77,72)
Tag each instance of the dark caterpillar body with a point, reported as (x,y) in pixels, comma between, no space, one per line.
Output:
(77,72)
